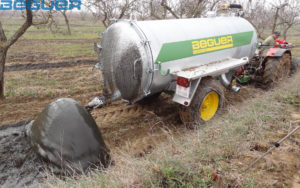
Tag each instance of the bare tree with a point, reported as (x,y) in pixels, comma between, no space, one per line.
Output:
(189,8)
(196,9)
(156,10)
(83,15)
(64,13)
(289,16)
(277,8)
(166,5)
(258,14)
(107,10)
(6,43)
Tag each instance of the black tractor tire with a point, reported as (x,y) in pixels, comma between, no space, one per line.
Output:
(295,65)
(191,115)
(286,62)
(275,70)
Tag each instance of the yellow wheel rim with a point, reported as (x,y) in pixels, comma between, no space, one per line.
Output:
(209,106)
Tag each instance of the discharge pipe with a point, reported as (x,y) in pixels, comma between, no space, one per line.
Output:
(226,83)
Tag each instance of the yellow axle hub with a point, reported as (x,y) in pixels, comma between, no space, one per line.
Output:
(209,106)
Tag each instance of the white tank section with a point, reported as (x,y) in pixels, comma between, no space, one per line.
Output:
(140,58)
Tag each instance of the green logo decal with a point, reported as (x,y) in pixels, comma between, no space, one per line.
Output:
(179,50)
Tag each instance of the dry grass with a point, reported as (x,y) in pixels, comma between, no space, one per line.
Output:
(28,92)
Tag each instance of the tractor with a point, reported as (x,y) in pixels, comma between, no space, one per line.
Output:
(269,65)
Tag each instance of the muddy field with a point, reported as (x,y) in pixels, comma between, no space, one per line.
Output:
(39,71)
(136,129)
(144,126)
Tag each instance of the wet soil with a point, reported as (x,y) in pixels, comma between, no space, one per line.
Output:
(137,128)
(19,165)
(44,66)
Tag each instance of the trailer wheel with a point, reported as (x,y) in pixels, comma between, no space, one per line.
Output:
(295,64)
(207,101)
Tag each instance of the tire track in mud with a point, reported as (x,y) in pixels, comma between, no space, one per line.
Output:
(137,122)
(45,66)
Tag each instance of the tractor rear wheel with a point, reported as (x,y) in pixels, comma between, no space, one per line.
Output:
(285,61)
(207,101)
(275,70)
(295,64)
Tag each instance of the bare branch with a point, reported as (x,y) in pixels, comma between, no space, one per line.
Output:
(44,21)
(3,38)
(277,15)
(22,29)
(164,4)
(154,10)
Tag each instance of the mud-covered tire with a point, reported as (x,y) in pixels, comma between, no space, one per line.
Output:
(285,61)
(294,65)
(275,70)
(191,115)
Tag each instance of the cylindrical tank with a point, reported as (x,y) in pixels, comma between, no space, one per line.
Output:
(136,55)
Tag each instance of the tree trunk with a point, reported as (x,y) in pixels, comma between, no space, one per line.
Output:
(276,16)
(3,53)
(6,44)
(67,22)
(275,20)
(285,31)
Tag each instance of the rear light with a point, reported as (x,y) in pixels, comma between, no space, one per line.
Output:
(183,82)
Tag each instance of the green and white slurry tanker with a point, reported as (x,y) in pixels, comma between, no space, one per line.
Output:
(139,59)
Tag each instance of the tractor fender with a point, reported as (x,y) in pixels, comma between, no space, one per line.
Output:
(277,52)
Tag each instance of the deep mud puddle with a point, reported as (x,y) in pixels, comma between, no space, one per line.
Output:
(19,164)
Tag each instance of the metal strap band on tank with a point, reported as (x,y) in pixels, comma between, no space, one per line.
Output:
(144,37)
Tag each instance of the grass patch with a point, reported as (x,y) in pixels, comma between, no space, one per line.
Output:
(73,50)
(293,100)
(50,36)
(50,82)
